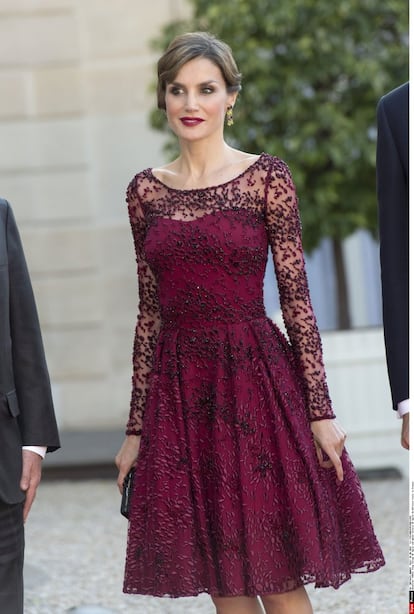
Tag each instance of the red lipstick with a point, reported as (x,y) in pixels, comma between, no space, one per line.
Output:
(191,121)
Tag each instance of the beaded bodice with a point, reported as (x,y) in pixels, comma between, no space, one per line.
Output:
(201,257)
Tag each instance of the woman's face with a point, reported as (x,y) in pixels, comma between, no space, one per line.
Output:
(197,100)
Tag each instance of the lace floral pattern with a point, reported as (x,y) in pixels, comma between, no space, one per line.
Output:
(228,496)
(264,194)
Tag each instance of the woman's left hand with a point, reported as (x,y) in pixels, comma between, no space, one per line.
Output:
(329,437)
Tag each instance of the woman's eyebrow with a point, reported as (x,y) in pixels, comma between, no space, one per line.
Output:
(178,84)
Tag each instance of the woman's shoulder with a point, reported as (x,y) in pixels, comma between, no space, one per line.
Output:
(272,162)
(139,183)
(275,170)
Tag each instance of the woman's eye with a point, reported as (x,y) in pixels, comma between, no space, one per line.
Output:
(207,90)
(175,90)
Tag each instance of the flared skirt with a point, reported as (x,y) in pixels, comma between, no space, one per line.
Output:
(228,495)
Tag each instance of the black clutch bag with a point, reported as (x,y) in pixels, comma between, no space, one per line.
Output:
(126,493)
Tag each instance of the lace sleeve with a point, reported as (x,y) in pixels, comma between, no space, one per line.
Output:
(148,321)
(284,232)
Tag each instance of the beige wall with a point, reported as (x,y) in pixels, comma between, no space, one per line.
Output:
(74,102)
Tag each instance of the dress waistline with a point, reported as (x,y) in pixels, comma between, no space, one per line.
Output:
(197,324)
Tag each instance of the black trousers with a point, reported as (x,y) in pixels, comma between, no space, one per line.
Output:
(11,558)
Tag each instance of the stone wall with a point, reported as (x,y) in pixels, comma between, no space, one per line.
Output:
(75,81)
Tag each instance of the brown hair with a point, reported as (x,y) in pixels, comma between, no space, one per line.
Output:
(186,47)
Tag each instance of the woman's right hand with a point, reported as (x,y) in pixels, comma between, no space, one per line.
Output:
(126,457)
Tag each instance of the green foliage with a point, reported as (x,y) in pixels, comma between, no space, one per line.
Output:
(313,72)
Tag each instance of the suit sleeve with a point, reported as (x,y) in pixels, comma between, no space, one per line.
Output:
(392,193)
(37,418)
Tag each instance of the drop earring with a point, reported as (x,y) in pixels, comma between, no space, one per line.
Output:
(229,116)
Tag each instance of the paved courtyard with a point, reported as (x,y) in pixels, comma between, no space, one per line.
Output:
(75,553)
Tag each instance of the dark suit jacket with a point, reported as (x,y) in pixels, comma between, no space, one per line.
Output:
(26,409)
(392,192)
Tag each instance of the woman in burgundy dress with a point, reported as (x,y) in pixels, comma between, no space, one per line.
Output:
(243,488)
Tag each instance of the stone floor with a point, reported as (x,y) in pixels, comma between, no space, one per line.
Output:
(75,540)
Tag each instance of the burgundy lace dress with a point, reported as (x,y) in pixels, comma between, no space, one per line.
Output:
(228,496)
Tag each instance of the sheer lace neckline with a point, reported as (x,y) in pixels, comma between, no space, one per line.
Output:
(210,187)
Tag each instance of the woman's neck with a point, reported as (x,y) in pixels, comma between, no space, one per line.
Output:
(199,160)
(203,164)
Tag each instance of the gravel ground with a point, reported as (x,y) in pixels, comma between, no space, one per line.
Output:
(75,544)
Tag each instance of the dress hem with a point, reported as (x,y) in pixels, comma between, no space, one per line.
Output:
(306,580)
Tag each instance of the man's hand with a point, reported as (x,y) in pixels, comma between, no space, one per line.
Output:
(31,474)
(405,431)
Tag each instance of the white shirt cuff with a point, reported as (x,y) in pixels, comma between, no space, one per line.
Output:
(403,407)
(40,450)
